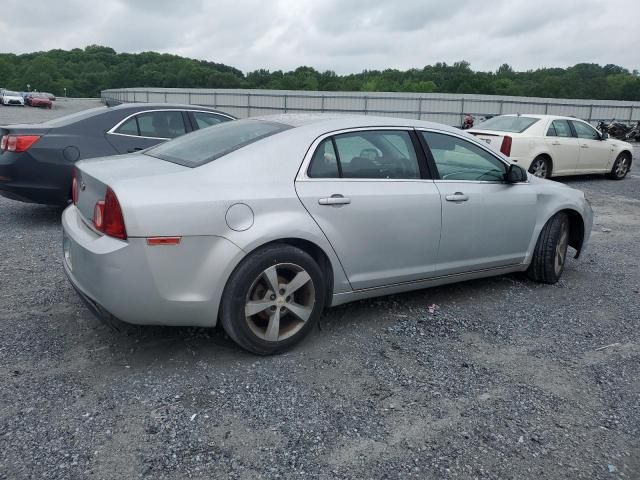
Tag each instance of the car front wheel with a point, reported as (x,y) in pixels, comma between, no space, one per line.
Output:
(550,254)
(273,299)
(620,167)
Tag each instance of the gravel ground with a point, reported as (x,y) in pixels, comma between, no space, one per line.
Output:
(489,379)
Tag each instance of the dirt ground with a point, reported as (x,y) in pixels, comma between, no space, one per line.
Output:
(491,379)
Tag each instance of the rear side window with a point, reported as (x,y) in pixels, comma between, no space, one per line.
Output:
(204,119)
(204,146)
(366,155)
(130,127)
(515,124)
(559,128)
(324,163)
(163,124)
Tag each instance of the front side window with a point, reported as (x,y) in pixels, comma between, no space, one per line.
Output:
(162,124)
(559,128)
(205,119)
(458,159)
(387,154)
(585,131)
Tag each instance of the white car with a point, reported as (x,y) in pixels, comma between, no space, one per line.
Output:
(12,98)
(549,145)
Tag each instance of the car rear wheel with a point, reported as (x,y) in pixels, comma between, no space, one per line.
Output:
(540,167)
(273,299)
(550,254)
(620,167)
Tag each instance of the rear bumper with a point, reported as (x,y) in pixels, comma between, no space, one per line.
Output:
(147,285)
(27,180)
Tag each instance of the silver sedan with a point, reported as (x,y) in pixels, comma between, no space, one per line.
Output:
(262,223)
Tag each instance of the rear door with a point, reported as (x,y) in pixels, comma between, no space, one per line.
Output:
(486,223)
(369,193)
(594,152)
(146,129)
(563,146)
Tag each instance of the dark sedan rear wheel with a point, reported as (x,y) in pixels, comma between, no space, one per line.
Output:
(550,254)
(273,299)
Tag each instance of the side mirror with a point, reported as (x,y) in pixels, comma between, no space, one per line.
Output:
(515,174)
(604,135)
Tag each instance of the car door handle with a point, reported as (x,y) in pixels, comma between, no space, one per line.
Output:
(334,200)
(584,146)
(135,149)
(457,197)
(555,143)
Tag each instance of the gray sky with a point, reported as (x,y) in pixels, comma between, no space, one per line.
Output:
(342,35)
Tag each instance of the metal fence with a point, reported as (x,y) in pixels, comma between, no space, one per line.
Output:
(439,107)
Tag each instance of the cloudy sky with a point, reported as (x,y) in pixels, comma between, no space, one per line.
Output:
(341,35)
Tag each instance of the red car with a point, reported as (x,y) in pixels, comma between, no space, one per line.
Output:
(39,100)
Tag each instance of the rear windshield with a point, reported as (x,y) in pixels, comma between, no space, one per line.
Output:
(204,146)
(74,117)
(508,124)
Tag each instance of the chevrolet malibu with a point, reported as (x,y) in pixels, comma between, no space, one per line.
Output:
(262,223)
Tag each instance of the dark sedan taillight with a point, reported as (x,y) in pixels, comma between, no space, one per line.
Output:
(18,143)
(107,216)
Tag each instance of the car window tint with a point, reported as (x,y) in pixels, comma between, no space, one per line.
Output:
(130,127)
(204,146)
(458,159)
(508,123)
(551,131)
(167,124)
(324,163)
(204,119)
(562,128)
(377,154)
(585,131)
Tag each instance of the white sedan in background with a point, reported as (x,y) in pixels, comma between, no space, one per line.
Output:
(549,145)
(12,98)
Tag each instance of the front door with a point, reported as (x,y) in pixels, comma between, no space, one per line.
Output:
(595,153)
(366,191)
(486,223)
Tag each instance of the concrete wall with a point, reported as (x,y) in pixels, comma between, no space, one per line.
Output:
(447,108)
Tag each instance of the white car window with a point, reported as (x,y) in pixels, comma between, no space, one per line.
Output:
(585,131)
(559,128)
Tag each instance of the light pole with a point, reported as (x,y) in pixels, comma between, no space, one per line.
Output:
(65,92)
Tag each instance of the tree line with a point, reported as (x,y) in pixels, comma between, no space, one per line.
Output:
(85,72)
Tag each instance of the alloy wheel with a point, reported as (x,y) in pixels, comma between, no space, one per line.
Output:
(621,167)
(539,168)
(561,248)
(279,302)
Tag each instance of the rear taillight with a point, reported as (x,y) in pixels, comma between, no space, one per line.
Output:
(18,143)
(74,187)
(107,216)
(506,145)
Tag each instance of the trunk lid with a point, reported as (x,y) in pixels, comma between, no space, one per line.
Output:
(95,175)
(491,138)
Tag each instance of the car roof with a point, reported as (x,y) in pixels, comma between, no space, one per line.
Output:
(535,115)
(332,121)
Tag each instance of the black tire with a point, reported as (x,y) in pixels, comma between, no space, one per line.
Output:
(541,167)
(550,254)
(250,276)
(621,166)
